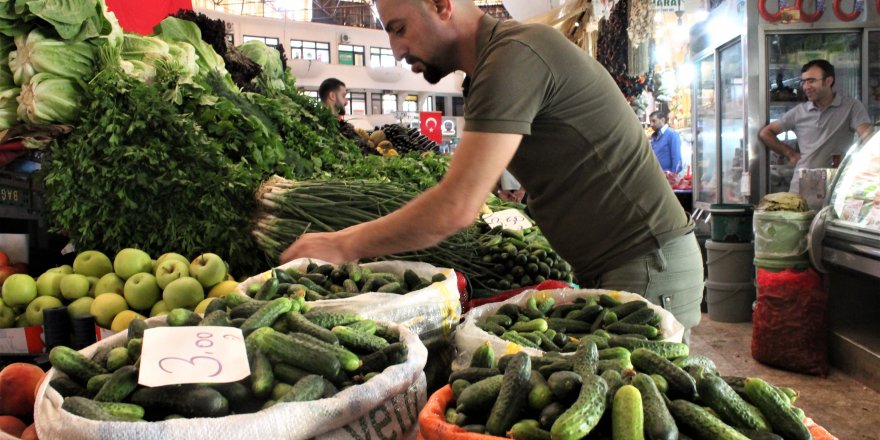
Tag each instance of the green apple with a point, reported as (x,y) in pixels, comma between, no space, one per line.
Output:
(105,307)
(153,265)
(80,307)
(19,289)
(63,269)
(7,315)
(49,283)
(159,308)
(92,263)
(141,291)
(184,292)
(172,256)
(110,283)
(93,283)
(130,261)
(34,311)
(209,269)
(74,286)
(170,270)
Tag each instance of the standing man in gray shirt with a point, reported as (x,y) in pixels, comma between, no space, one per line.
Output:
(824,125)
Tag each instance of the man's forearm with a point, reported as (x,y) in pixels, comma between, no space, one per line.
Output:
(778,146)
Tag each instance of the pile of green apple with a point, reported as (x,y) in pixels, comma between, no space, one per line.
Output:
(132,286)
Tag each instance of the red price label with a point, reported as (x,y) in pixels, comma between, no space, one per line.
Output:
(175,355)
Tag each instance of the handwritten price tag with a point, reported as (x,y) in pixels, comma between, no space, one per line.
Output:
(175,355)
(512,219)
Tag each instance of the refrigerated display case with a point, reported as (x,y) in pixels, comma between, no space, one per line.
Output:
(845,244)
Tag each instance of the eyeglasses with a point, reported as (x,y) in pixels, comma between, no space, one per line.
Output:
(810,81)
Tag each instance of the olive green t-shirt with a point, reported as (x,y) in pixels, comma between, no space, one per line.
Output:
(594,186)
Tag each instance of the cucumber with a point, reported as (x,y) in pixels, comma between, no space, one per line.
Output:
(600,341)
(182,318)
(701,422)
(491,327)
(516,338)
(366,325)
(550,413)
(306,389)
(480,396)
(268,291)
(127,411)
(245,310)
(136,328)
(117,357)
(622,328)
(186,400)
(288,373)
(358,341)
(512,397)
(642,316)
(509,309)
(669,350)
(627,418)
(758,435)
(215,305)
(298,323)
(473,374)
(565,385)
(627,308)
(659,424)
(606,300)
(729,406)
(484,356)
(288,350)
(568,325)
(348,360)
(458,386)
(679,381)
(528,429)
(778,412)
(87,408)
(614,353)
(266,315)
(67,387)
(586,313)
(534,325)
(586,358)
(394,353)
(262,376)
(562,310)
(696,360)
(96,382)
(329,320)
(546,342)
(585,413)
(500,319)
(559,365)
(216,318)
(613,364)
(614,380)
(74,364)
(120,384)
(540,394)
(661,383)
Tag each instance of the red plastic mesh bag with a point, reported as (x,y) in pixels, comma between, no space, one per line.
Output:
(789,324)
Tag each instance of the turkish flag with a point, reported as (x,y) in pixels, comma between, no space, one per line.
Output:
(429,125)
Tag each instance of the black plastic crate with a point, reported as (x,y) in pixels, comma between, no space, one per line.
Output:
(21,190)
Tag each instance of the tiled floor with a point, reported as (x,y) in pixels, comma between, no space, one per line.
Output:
(841,404)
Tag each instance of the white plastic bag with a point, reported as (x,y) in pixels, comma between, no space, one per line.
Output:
(385,406)
(469,337)
(431,312)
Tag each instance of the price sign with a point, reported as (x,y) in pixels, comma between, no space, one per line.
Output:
(512,219)
(175,355)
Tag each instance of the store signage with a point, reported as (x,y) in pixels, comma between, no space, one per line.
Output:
(510,219)
(665,5)
(429,125)
(175,355)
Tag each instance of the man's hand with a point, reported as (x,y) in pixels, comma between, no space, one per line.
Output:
(793,156)
(327,246)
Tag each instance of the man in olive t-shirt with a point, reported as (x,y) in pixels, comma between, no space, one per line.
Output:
(537,104)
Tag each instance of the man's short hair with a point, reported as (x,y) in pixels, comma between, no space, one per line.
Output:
(659,115)
(327,86)
(827,68)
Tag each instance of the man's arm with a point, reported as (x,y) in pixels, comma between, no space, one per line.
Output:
(768,137)
(439,212)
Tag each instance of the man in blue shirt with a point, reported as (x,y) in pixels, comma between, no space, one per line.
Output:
(666,143)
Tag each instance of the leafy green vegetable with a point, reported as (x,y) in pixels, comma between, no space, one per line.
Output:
(138,172)
(36,53)
(48,99)
(269,59)
(8,107)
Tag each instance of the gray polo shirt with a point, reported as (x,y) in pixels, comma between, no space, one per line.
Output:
(821,134)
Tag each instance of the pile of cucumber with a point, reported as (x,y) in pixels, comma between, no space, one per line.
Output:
(661,396)
(518,259)
(543,324)
(325,281)
(294,355)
